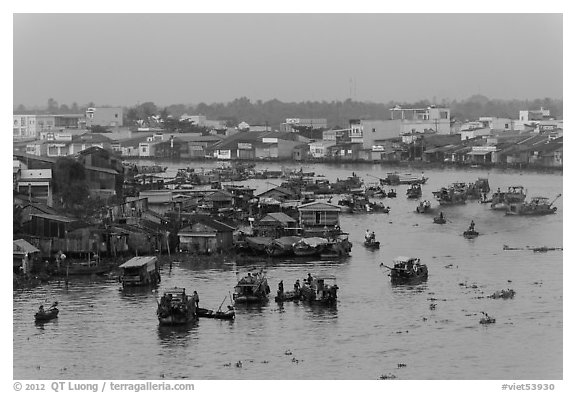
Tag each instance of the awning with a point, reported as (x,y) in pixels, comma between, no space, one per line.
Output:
(478,153)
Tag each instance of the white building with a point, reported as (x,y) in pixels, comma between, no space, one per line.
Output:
(104,117)
(292,124)
(422,119)
(530,115)
(474,133)
(368,132)
(320,149)
(497,123)
(30,126)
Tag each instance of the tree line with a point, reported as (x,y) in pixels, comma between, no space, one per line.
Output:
(337,113)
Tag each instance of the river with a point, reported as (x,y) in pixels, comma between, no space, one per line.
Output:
(105,333)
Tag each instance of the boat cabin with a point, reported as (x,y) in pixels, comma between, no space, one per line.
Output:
(140,271)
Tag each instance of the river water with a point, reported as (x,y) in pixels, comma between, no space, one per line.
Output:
(105,333)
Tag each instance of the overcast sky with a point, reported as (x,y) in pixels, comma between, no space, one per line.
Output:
(123,59)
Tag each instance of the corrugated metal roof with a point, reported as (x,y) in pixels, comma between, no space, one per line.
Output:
(22,246)
(138,261)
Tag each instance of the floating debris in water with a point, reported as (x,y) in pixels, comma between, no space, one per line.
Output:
(424,319)
(288,352)
(486,319)
(265,361)
(503,294)
(162,376)
(432,306)
(449,266)
(239,364)
(400,365)
(387,376)
(294,360)
(537,282)
(509,280)
(227,364)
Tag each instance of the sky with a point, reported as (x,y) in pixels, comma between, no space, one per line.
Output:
(125,59)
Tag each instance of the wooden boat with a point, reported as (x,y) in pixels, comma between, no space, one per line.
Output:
(43,316)
(176,307)
(140,271)
(252,288)
(391,194)
(394,179)
(439,220)
(538,206)
(408,270)
(414,192)
(320,290)
(288,296)
(477,189)
(423,207)
(83,268)
(453,195)
(205,313)
(501,200)
(470,234)
(371,244)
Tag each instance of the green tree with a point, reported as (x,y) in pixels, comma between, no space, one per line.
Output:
(70,182)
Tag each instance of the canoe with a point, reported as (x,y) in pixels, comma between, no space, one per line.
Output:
(46,315)
(205,313)
(372,245)
(470,234)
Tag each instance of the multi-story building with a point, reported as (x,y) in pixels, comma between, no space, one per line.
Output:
(422,119)
(104,117)
(291,125)
(497,123)
(534,115)
(30,126)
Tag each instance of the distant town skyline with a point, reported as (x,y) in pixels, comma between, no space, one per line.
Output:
(123,59)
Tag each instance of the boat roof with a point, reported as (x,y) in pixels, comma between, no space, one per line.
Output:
(404,259)
(540,198)
(174,290)
(138,261)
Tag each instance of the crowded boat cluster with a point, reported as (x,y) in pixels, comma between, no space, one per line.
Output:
(295,219)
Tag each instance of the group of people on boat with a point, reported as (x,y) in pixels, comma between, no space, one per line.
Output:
(50,309)
(370,236)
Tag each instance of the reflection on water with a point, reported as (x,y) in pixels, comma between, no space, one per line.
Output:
(177,335)
(105,332)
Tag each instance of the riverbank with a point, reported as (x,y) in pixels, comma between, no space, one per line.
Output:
(416,164)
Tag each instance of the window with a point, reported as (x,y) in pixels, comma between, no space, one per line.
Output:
(318,217)
(443,115)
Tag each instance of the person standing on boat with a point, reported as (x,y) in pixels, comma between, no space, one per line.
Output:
(441,215)
(472,225)
(367,235)
(196,298)
(297,286)
(281,287)
(372,236)
(310,279)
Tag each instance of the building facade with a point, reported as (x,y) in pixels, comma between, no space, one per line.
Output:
(104,117)
(30,126)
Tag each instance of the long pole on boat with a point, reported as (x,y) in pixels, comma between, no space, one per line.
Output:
(220,308)
(557,196)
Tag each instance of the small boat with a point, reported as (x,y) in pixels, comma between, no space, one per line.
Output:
(408,270)
(439,220)
(391,194)
(538,206)
(393,179)
(414,192)
(140,271)
(453,195)
(51,313)
(205,313)
(423,207)
(319,290)
(288,296)
(252,288)
(470,234)
(371,244)
(176,307)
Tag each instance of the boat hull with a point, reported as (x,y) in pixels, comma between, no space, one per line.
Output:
(372,245)
(172,320)
(205,313)
(250,299)
(46,316)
